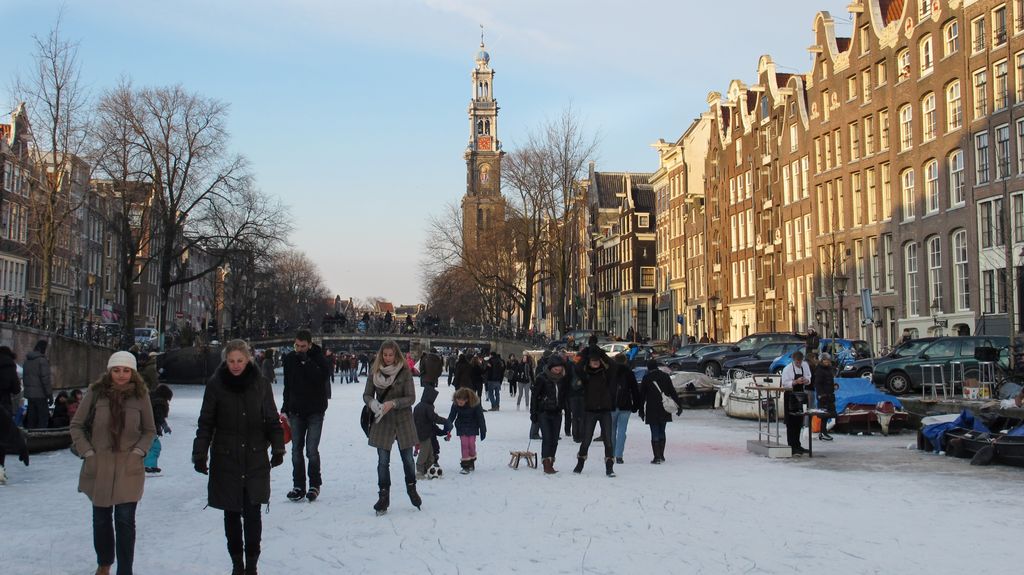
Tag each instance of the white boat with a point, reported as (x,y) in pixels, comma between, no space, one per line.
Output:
(739,398)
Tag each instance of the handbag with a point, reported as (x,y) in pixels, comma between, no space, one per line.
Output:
(86,427)
(667,403)
(367,416)
(286,427)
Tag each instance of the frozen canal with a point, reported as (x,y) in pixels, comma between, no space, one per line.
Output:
(861,505)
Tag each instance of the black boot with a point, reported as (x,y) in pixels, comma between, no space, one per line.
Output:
(654,450)
(414,497)
(661,451)
(608,463)
(237,565)
(465,467)
(580,460)
(383,500)
(251,560)
(472,464)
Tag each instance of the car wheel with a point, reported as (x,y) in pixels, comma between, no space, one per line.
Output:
(864,374)
(898,383)
(674,367)
(712,369)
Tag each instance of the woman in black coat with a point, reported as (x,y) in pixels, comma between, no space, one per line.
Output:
(462,373)
(237,423)
(652,410)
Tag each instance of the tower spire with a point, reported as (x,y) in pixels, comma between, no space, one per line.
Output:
(481,35)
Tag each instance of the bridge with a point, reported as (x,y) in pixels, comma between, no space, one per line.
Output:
(414,343)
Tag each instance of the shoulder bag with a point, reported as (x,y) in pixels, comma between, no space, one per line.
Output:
(667,403)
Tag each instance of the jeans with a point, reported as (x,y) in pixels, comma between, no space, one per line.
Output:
(153,455)
(576,409)
(306,430)
(658,431)
(590,421)
(550,422)
(251,533)
(107,520)
(384,467)
(38,414)
(620,419)
(524,389)
(494,393)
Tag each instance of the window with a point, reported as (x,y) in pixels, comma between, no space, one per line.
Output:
(804,169)
(837,136)
(785,186)
(999,26)
(794,138)
(1018,76)
(865,83)
(865,39)
(643,221)
(1000,94)
(883,129)
(798,239)
(890,268)
(826,104)
(807,235)
(961,281)
(903,65)
(789,241)
(910,279)
(817,155)
(935,271)
(954,107)
(858,255)
(1002,151)
(851,88)
(928,117)
(1018,13)
(874,260)
(955,163)
(988,292)
(980,94)
(951,37)
(978,34)
(924,52)
(872,193)
(869,136)
(907,180)
(931,186)
(1020,146)
(926,10)
(880,78)
(854,141)
(906,127)
(886,192)
(858,199)
(991,224)
(981,158)
(647,277)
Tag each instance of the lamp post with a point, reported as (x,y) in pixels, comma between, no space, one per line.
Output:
(939,323)
(636,328)
(713,304)
(792,317)
(839,283)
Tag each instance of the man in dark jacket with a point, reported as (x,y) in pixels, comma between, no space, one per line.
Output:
(38,388)
(549,399)
(626,393)
(655,384)
(431,366)
(427,420)
(823,378)
(306,391)
(598,400)
(495,374)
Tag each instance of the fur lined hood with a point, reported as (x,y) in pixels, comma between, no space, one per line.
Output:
(102,386)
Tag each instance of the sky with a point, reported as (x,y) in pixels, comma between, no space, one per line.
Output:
(354,112)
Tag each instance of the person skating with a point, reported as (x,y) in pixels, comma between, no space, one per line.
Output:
(10,435)
(467,416)
(160,399)
(427,421)
(550,394)
(494,375)
(655,384)
(626,393)
(37,387)
(112,431)
(238,423)
(824,381)
(306,391)
(390,394)
(598,400)
(431,367)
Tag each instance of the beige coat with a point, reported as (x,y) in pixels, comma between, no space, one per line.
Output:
(112,476)
(397,423)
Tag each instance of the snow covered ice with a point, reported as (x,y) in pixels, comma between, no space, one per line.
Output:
(861,505)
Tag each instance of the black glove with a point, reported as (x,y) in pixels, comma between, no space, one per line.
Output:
(200,464)
(276,459)
(483,434)
(679,411)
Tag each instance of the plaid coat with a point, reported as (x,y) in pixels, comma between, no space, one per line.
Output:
(398,423)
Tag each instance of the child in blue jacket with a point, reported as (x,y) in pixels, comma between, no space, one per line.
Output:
(467,415)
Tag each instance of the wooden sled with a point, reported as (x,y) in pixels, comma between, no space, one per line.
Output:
(517,456)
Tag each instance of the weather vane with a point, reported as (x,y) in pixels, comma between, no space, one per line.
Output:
(481,34)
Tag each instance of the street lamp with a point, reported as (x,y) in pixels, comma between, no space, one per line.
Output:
(636,328)
(840,282)
(792,317)
(936,310)
(713,303)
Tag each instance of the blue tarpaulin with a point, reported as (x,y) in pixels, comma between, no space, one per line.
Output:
(860,390)
(935,431)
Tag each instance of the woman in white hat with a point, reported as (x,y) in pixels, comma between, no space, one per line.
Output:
(112,430)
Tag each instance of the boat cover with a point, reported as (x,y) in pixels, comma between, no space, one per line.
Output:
(860,390)
(934,433)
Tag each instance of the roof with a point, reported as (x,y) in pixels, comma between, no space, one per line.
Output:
(891,10)
(384,307)
(843,44)
(643,198)
(609,186)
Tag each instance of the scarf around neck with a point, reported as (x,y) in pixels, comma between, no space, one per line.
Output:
(385,376)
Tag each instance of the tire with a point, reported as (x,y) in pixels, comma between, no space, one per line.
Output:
(864,374)
(674,367)
(712,369)
(898,383)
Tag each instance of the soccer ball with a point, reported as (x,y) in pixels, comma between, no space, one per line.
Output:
(434,472)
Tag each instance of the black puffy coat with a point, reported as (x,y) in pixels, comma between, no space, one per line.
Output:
(237,423)
(495,369)
(597,388)
(549,393)
(651,408)
(626,390)
(462,377)
(426,418)
(10,385)
(431,366)
(307,382)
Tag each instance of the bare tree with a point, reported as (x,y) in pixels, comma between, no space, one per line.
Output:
(59,113)
(453,295)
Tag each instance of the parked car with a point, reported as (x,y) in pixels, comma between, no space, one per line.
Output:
(764,358)
(711,364)
(694,361)
(615,348)
(864,367)
(147,337)
(846,353)
(904,374)
(672,361)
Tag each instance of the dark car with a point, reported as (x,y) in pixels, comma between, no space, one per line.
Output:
(955,356)
(712,364)
(695,360)
(672,360)
(761,360)
(866,366)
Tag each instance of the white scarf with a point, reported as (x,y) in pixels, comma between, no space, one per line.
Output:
(385,376)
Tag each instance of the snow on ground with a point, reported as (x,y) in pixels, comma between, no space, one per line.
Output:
(862,505)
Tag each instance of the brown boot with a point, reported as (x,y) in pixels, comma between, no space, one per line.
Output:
(549,465)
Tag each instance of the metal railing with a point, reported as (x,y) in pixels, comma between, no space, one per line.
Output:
(65,321)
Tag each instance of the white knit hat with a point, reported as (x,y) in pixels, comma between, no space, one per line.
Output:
(122,359)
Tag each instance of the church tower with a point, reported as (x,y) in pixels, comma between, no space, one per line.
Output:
(483,206)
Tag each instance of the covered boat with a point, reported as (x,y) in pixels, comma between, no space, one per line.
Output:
(861,406)
(739,397)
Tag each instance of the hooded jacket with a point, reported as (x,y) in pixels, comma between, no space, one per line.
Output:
(36,376)
(10,385)
(426,418)
(550,392)
(654,384)
(431,366)
(598,387)
(306,382)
